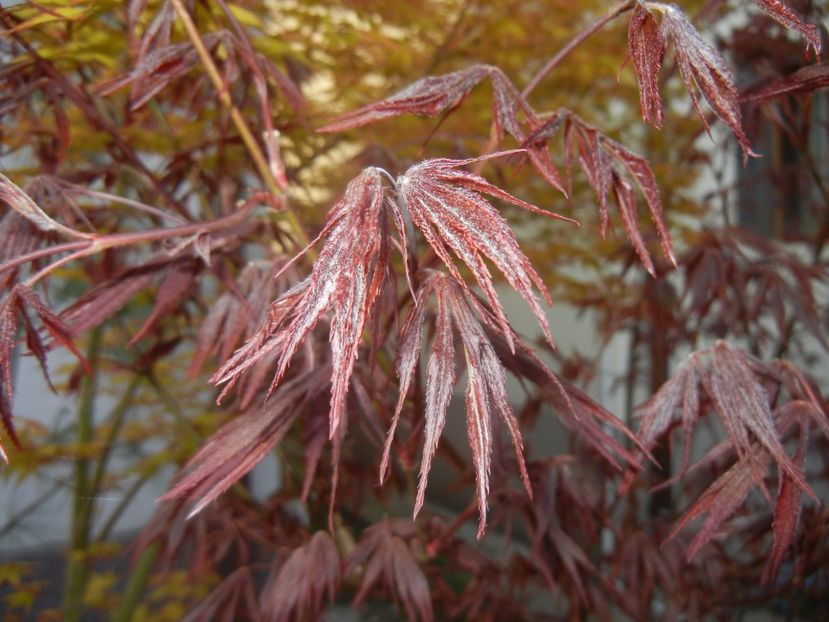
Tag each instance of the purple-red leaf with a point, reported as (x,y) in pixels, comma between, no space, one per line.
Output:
(296,592)
(241,443)
(105,300)
(610,166)
(681,392)
(21,203)
(428,96)
(704,70)
(486,396)
(719,501)
(445,202)
(158,68)
(18,299)
(727,493)
(8,332)
(804,80)
(408,353)
(784,15)
(743,407)
(55,325)
(440,381)
(786,511)
(435,95)
(346,279)
(232,599)
(647,49)
(387,559)
(173,289)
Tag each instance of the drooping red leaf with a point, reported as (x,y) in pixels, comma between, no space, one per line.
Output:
(720,501)
(20,237)
(737,397)
(486,396)
(156,69)
(387,560)
(738,279)
(440,382)
(805,80)
(428,96)
(8,332)
(572,557)
(36,347)
(173,290)
(647,49)
(105,300)
(297,589)
(703,70)
(408,354)
(781,12)
(57,197)
(743,407)
(241,443)
(20,300)
(347,277)
(727,493)
(786,510)
(610,166)
(157,34)
(21,203)
(575,409)
(232,599)
(681,392)
(53,323)
(264,344)
(436,95)
(445,202)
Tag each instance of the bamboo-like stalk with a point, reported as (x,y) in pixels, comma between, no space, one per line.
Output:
(137,583)
(116,419)
(77,568)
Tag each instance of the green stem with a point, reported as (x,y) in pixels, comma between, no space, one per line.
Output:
(77,568)
(123,503)
(171,403)
(137,583)
(116,417)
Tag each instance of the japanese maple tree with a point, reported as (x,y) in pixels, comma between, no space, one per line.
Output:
(262,253)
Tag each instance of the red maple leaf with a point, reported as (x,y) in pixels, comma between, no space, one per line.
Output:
(610,167)
(700,64)
(447,204)
(296,588)
(486,395)
(781,12)
(386,557)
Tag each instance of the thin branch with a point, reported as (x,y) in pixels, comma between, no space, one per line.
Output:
(614,12)
(118,240)
(236,116)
